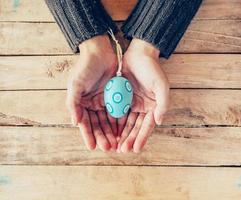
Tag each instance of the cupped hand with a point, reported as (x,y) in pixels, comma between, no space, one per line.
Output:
(96,65)
(142,67)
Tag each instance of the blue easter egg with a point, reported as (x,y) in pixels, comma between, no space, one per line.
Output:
(118,96)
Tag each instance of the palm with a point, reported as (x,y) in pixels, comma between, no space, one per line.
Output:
(89,78)
(144,74)
(150,101)
(143,99)
(95,67)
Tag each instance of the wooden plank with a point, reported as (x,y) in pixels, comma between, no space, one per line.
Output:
(203,70)
(188,107)
(203,36)
(167,146)
(212,36)
(32,38)
(26,10)
(219,9)
(107,183)
(183,71)
(31,72)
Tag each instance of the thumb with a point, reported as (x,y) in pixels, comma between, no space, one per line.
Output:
(158,116)
(76,114)
(73,100)
(162,101)
(75,109)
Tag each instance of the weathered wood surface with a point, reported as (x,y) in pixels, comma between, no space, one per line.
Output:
(107,183)
(27,10)
(183,71)
(27,28)
(188,107)
(202,36)
(167,146)
(210,36)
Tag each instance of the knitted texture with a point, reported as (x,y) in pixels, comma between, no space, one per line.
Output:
(159,22)
(80,20)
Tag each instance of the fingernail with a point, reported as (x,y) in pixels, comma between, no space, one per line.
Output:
(114,147)
(73,121)
(123,150)
(159,121)
(118,150)
(136,150)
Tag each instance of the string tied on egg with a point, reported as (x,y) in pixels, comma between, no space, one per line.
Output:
(118,92)
(118,52)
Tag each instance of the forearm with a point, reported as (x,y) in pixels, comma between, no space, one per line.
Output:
(80,20)
(161,22)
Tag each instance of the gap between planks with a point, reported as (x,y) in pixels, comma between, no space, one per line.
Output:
(126,165)
(119,10)
(157,126)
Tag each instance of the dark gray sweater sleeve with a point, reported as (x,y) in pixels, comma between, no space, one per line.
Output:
(160,22)
(80,20)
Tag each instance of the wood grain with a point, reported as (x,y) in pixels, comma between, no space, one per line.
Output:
(33,39)
(40,132)
(26,10)
(167,146)
(183,71)
(203,36)
(107,183)
(188,107)
(212,36)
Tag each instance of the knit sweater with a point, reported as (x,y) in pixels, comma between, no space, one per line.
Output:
(159,22)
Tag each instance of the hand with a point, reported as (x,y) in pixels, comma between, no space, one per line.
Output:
(96,65)
(151,95)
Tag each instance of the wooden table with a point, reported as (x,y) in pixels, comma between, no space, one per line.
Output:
(195,154)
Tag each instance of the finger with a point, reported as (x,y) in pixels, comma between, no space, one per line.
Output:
(105,126)
(162,101)
(121,122)
(145,131)
(76,111)
(86,132)
(113,124)
(100,138)
(130,123)
(129,141)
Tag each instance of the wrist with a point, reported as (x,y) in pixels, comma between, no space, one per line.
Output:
(97,44)
(142,47)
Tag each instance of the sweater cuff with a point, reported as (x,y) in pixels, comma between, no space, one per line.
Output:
(160,22)
(80,20)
